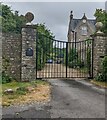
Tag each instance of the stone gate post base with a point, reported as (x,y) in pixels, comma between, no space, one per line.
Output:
(28,63)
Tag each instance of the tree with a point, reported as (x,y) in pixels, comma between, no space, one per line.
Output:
(44,45)
(8,23)
(11,22)
(101,16)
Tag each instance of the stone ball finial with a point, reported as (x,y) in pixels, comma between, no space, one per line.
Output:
(99,26)
(29,16)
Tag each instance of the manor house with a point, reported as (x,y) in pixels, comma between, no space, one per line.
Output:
(80,29)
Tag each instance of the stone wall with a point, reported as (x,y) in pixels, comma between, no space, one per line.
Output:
(99,52)
(11,51)
(0,53)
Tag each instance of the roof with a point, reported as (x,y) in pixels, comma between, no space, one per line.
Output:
(74,23)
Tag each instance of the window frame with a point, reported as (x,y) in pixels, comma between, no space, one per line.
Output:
(84,30)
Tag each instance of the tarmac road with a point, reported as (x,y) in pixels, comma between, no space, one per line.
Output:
(70,99)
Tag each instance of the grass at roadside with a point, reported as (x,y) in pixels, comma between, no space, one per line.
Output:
(100,84)
(35,91)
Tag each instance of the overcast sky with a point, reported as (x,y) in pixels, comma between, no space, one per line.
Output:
(56,14)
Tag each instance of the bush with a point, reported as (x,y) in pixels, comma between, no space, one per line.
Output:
(73,59)
(5,78)
(76,64)
(102,76)
(72,64)
(80,64)
(89,58)
(22,90)
(72,55)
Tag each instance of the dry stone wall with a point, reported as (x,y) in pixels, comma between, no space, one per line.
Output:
(11,52)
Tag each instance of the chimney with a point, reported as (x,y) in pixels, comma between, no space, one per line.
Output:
(71,15)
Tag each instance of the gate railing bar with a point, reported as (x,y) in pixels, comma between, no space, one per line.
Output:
(63,58)
(66,57)
(80,57)
(85,62)
(60,57)
(55,58)
(46,56)
(49,70)
(92,56)
(64,41)
(52,57)
(83,72)
(36,53)
(43,72)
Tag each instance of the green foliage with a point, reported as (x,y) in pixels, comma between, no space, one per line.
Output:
(5,63)
(76,63)
(73,59)
(101,16)
(44,45)
(73,55)
(22,90)
(41,60)
(89,60)
(11,22)
(5,78)
(102,76)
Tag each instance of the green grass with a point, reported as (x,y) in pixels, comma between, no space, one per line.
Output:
(39,82)
(98,83)
(14,85)
(22,90)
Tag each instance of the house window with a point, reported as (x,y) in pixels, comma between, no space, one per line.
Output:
(84,30)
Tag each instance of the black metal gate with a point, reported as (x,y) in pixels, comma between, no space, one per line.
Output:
(62,59)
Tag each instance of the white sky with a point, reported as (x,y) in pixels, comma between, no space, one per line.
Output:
(56,14)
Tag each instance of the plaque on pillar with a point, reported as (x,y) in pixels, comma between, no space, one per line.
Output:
(29,52)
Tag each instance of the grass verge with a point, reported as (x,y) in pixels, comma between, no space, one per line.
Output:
(100,84)
(25,92)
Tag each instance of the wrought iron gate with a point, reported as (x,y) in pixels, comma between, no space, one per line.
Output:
(62,59)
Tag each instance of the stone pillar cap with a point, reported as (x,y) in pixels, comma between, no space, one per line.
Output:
(29,17)
(99,26)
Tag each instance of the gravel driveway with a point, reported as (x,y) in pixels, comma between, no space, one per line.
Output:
(59,71)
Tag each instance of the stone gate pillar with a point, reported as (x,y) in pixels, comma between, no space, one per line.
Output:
(99,50)
(28,63)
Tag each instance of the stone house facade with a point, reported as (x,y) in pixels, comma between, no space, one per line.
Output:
(80,29)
